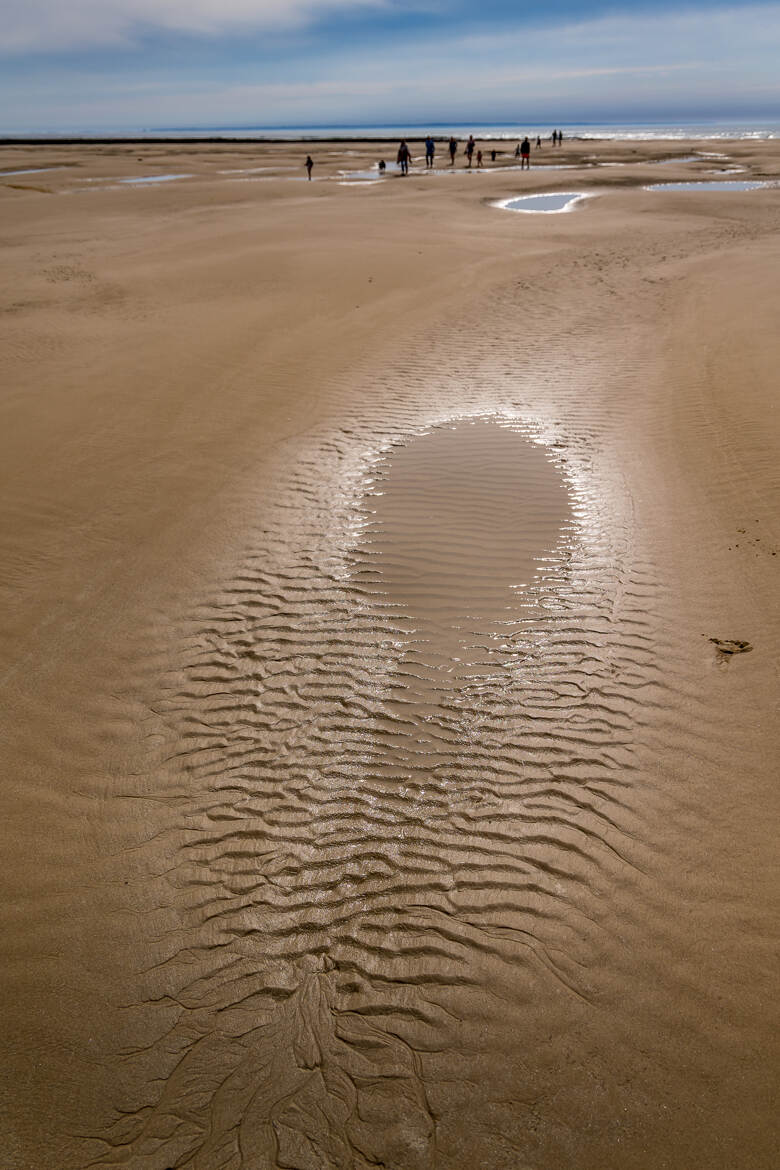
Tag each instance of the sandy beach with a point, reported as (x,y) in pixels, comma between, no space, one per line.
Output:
(388,656)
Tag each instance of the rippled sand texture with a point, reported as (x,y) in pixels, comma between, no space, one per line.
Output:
(396,789)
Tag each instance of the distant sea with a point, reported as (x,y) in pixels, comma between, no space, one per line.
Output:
(637,131)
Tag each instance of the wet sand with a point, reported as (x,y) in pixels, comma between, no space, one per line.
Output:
(389,639)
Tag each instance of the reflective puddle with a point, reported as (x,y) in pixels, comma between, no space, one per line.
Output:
(254,170)
(461,520)
(555,201)
(369,174)
(28,171)
(710,185)
(153,179)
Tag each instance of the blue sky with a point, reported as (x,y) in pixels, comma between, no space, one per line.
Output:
(69,64)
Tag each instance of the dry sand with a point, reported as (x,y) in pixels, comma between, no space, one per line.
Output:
(389,641)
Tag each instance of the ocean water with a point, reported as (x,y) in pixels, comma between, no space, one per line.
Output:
(635,131)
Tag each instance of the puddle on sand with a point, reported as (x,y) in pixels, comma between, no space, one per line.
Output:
(710,185)
(154,179)
(369,174)
(548,202)
(461,520)
(28,171)
(254,170)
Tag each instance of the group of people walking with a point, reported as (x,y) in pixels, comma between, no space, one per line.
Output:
(523,152)
(404,156)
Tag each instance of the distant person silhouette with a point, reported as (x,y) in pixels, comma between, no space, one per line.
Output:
(453,149)
(492,156)
(517,151)
(538,142)
(381,166)
(403,158)
(525,154)
(430,150)
(479,158)
(470,148)
(309,164)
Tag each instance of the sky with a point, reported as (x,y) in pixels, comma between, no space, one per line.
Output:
(133,64)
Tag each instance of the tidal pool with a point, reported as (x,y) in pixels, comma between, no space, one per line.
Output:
(546,202)
(154,179)
(460,522)
(710,185)
(369,174)
(28,171)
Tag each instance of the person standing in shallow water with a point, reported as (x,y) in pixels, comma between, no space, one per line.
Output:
(525,154)
(453,149)
(309,164)
(403,158)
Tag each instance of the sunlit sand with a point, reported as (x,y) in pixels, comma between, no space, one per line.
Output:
(389,647)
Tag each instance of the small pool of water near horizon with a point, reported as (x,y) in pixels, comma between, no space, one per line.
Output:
(553,201)
(711,185)
(154,179)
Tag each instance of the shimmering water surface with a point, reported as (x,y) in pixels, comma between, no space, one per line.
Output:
(557,201)
(710,185)
(27,171)
(137,182)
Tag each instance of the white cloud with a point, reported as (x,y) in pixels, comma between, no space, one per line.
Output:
(621,66)
(30,26)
